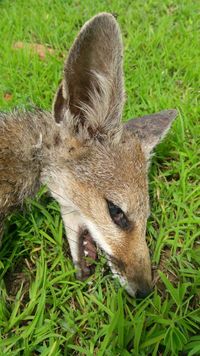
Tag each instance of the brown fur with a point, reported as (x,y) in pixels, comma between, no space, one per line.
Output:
(86,156)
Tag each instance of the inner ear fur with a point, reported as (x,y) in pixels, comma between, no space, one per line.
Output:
(92,88)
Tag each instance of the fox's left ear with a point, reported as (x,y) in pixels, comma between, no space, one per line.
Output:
(92,89)
(151,129)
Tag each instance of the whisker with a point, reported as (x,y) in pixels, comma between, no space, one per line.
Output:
(59,196)
(70,212)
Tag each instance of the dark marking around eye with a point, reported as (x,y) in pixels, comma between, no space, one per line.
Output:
(118,216)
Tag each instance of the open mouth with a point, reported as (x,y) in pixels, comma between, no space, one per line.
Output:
(87,255)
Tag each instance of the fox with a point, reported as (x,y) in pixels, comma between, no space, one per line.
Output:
(93,164)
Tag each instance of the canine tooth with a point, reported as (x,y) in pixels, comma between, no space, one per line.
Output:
(85,253)
(84,243)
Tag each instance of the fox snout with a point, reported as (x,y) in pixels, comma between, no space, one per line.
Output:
(140,285)
(134,270)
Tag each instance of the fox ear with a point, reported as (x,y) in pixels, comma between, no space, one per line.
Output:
(151,129)
(92,89)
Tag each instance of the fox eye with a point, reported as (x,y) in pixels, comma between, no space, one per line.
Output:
(118,216)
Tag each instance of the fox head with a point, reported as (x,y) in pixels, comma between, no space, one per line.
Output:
(100,178)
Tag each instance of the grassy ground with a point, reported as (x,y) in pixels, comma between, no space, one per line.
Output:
(43,309)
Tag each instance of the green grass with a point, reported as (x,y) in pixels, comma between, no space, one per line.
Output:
(44,310)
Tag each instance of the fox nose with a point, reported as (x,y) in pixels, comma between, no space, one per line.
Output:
(143,293)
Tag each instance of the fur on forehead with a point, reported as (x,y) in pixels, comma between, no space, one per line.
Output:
(105,161)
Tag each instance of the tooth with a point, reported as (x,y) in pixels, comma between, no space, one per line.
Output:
(84,243)
(85,253)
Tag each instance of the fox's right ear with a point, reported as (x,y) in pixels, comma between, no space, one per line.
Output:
(92,89)
(151,129)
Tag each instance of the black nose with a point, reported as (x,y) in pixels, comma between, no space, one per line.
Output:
(143,293)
